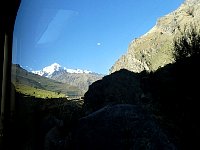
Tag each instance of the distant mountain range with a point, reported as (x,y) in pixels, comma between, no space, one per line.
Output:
(54,78)
(23,78)
(49,71)
(76,77)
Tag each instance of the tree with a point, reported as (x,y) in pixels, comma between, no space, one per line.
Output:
(187,44)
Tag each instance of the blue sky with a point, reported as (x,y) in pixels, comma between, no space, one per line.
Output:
(84,34)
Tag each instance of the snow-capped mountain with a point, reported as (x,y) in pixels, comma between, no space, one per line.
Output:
(55,68)
(76,77)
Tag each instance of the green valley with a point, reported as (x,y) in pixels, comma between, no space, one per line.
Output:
(35,85)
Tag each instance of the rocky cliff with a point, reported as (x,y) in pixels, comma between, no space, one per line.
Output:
(154,49)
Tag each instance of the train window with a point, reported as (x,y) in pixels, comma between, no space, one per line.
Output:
(63,54)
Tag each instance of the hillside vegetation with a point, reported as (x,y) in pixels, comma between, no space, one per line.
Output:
(39,93)
(155,48)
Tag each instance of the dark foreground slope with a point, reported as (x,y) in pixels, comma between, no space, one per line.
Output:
(42,124)
(169,95)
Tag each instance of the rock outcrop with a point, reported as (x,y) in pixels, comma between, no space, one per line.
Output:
(113,89)
(120,127)
(154,49)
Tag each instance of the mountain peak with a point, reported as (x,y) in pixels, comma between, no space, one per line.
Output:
(49,70)
(55,67)
(52,68)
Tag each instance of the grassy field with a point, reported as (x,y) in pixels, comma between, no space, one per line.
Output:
(36,92)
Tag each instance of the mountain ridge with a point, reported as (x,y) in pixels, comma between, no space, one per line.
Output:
(75,77)
(154,49)
(48,71)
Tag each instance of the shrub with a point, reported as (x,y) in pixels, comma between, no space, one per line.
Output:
(187,44)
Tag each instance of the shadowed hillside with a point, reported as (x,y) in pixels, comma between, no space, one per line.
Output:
(43,124)
(170,96)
